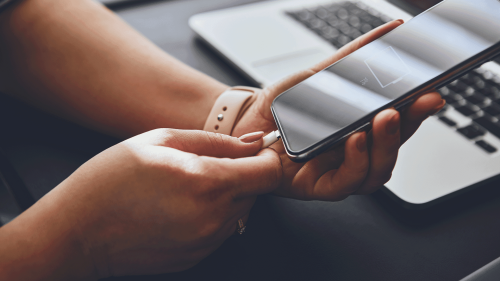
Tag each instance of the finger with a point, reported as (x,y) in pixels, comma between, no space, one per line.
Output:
(206,143)
(425,106)
(290,169)
(384,150)
(248,176)
(307,176)
(337,184)
(298,77)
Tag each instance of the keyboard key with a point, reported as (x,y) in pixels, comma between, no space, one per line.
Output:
(477,78)
(491,124)
(345,28)
(472,131)
(334,22)
(448,121)
(491,91)
(453,98)
(492,110)
(354,21)
(480,85)
(343,40)
(304,15)
(486,146)
(365,28)
(458,86)
(467,109)
(343,14)
(355,34)
(330,33)
(322,13)
(476,98)
(376,22)
(355,11)
(495,98)
(444,91)
(488,75)
(316,24)
(469,91)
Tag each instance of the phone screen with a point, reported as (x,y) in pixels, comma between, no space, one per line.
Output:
(386,69)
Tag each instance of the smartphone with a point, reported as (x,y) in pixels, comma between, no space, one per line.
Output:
(426,53)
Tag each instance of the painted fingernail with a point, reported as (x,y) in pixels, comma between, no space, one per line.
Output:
(392,126)
(252,137)
(361,143)
(437,108)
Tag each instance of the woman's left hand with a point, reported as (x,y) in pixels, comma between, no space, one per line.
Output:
(356,167)
(156,203)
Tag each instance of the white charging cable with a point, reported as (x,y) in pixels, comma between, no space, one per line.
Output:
(271,138)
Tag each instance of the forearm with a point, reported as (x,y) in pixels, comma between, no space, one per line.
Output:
(78,60)
(43,244)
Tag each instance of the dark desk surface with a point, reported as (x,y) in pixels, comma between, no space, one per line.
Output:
(361,238)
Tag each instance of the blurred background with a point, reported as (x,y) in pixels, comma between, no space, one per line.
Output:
(412,6)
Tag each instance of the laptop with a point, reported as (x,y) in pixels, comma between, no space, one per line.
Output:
(452,152)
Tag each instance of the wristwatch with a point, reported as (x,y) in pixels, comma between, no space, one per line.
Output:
(4,4)
(229,108)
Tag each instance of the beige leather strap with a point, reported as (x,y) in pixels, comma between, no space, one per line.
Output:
(228,109)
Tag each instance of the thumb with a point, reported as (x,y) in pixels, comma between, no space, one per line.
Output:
(214,145)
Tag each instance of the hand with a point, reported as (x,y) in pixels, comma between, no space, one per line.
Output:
(355,168)
(148,205)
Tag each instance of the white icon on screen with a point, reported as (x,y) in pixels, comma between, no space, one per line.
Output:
(387,67)
(364,81)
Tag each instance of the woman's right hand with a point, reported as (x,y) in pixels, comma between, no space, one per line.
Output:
(360,166)
(156,203)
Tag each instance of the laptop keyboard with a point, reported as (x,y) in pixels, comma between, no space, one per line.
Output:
(476,95)
(341,22)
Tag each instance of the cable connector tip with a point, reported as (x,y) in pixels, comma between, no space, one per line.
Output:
(271,138)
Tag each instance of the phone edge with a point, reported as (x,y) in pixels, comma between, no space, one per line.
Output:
(438,82)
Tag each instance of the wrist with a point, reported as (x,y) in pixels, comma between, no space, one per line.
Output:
(45,239)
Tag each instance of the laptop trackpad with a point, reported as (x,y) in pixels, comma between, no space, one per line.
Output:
(279,67)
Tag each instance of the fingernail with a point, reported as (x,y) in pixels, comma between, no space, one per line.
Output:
(437,108)
(252,137)
(392,126)
(361,143)
(400,21)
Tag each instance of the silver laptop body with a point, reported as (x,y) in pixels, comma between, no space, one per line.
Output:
(268,44)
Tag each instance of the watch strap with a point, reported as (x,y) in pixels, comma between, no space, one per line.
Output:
(229,109)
